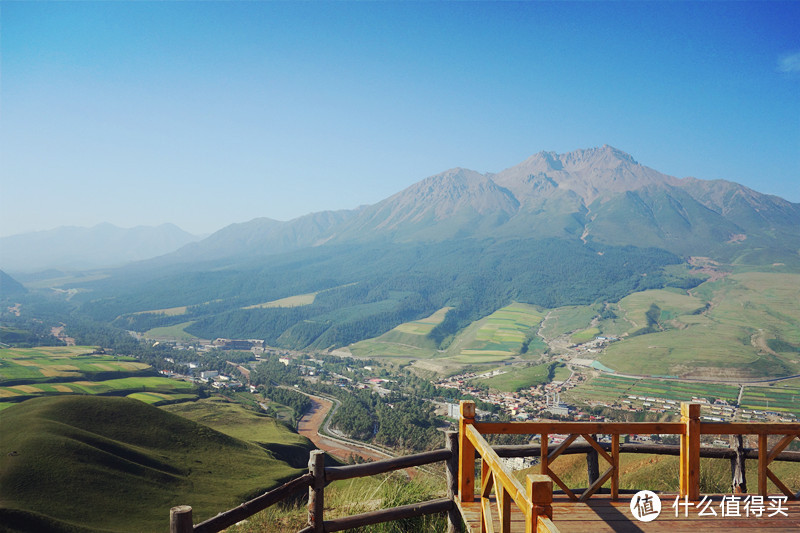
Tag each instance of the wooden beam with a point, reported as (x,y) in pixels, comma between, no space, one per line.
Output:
(594,487)
(543,462)
(593,443)
(453,515)
(561,447)
(413,510)
(316,491)
(557,480)
(259,503)
(778,483)
(335,473)
(493,461)
(615,464)
(487,524)
(546,525)
(690,451)
(763,452)
(741,428)
(603,428)
(504,506)
(466,462)
(778,448)
(540,493)
(528,450)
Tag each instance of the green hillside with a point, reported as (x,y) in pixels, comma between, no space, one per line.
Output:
(83,463)
(742,326)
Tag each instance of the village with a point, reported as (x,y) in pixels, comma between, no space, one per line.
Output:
(539,402)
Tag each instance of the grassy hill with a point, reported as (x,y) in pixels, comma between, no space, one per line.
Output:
(98,464)
(231,418)
(742,326)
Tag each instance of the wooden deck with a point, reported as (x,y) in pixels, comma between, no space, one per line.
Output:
(601,514)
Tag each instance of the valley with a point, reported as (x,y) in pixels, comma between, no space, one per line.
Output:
(580,286)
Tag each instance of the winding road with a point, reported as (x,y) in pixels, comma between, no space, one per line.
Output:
(309,426)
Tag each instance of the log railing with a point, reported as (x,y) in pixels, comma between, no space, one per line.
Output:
(319,476)
(506,489)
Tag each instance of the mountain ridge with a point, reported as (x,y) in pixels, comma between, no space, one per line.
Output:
(83,248)
(586,194)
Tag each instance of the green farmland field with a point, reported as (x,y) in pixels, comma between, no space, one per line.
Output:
(780,397)
(175,332)
(567,319)
(50,371)
(28,365)
(502,333)
(408,340)
(517,378)
(613,388)
(117,387)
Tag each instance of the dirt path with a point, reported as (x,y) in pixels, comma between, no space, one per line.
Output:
(309,427)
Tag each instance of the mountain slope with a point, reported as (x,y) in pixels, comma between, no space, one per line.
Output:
(10,287)
(454,204)
(600,194)
(122,463)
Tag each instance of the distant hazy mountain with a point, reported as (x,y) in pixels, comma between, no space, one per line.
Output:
(600,195)
(75,248)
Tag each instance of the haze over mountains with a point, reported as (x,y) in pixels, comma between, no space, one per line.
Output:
(597,195)
(77,248)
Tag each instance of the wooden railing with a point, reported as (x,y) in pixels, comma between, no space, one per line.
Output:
(535,504)
(319,476)
(500,490)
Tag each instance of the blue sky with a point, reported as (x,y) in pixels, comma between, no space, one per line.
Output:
(204,114)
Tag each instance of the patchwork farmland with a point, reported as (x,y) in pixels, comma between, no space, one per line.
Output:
(47,371)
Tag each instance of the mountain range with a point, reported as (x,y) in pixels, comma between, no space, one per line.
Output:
(600,195)
(585,227)
(78,248)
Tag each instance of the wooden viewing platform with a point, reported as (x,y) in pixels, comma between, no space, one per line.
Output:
(504,504)
(602,514)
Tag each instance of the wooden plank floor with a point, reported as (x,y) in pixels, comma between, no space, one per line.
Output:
(602,514)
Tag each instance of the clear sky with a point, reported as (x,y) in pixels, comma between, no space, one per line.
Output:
(208,113)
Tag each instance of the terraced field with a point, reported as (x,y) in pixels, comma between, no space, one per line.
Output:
(613,388)
(501,334)
(781,397)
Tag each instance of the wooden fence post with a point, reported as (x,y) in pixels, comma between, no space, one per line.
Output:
(592,464)
(180,519)
(466,463)
(453,515)
(615,475)
(690,451)
(316,491)
(763,452)
(540,494)
(738,477)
